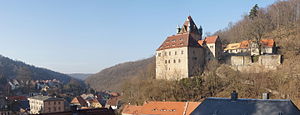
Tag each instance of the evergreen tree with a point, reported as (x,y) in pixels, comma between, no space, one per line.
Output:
(253,12)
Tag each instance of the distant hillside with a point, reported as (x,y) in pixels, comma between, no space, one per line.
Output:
(112,78)
(12,69)
(80,76)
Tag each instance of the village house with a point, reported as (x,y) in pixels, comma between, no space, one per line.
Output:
(45,104)
(86,101)
(249,47)
(236,106)
(161,108)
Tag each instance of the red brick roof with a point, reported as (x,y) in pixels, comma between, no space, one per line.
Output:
(267,42)
(79,100)
(245,44)
(169,108)
(20,98)
(201,42)
(112,101)
(211,39)
(132,109)
(179,40)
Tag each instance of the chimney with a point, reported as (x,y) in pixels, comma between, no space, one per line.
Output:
(265,96)
(234,96)
(178,29)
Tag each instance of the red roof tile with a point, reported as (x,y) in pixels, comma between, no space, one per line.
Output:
(211,39)
(267,42)
(79,100)
(132,109)
(179,40)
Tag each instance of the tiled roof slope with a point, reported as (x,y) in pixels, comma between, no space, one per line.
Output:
(168,108)
(226,106)
(179,40)
(132,109)
(211,39)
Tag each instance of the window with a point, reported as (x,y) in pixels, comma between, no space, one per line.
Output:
(193,52)
(169,61)
(211,46)
(59,103)
(54,103)
(169,53)
(158,54)
(181,52)
(175,52)
(58,108)
(166,61)
(174,61)
(173,40)
(165,53)
(178,60)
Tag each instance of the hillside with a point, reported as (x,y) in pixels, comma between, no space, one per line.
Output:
(114,77)
(80,76)
(12,69)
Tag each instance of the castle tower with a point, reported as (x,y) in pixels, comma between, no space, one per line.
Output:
(180,56)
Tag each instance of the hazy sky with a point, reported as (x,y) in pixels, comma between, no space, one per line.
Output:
(85,36)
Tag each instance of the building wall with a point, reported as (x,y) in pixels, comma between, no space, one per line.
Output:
(36,106)
(196,59)
(54,106)
(263,64)
(172,63)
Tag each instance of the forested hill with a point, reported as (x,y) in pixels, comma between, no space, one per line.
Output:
(12,69)
(114,77)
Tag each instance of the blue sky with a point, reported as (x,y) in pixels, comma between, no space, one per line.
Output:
(85,36)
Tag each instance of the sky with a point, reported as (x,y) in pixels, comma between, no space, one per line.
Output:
(86,36)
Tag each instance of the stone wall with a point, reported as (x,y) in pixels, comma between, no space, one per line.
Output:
(264,63)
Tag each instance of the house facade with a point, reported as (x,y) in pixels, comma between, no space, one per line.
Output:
(249,47)
(45,104)
(181,56)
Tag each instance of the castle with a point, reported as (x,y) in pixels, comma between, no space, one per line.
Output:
(185,54)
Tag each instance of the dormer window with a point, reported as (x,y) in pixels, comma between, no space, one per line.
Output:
(173,40)
(181,39)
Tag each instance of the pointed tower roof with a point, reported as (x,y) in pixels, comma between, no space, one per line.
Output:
(187,37)
(189,26)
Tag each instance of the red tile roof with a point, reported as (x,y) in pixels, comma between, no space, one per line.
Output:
(169,108)
(201,42)
(179,40)
(245,44)
(211,39)
(79,100)
(132,109)
(267,42)
(19,98)
(112,101)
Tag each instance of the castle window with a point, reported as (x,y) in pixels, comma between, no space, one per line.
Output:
(193,52)
(173,40)
(181,52)
(158,54)
(175,52)
(181,39)
(166,61)
(169,61)
(211,46)
(174,61)
(178,60)
(169,53)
